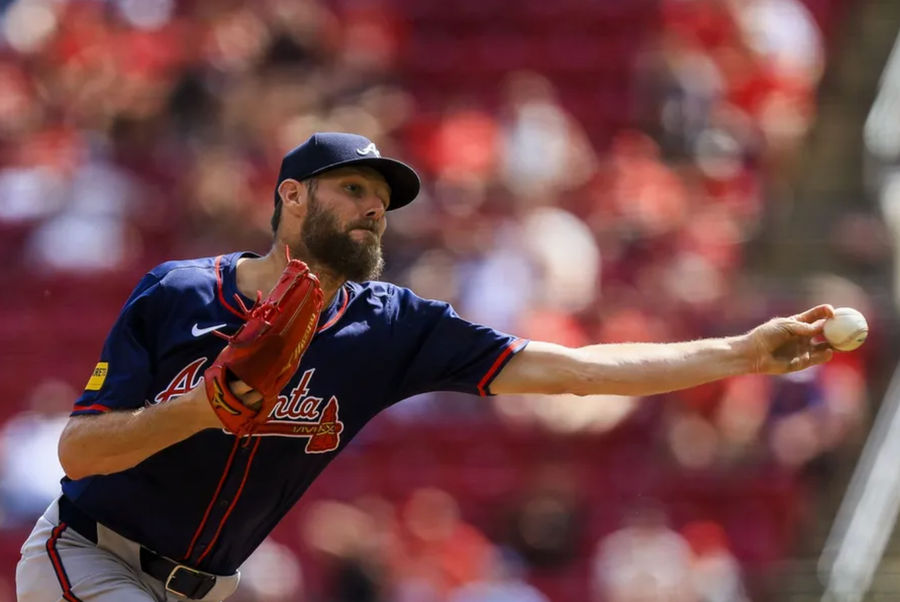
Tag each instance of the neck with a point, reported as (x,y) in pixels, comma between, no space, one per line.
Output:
(261,274)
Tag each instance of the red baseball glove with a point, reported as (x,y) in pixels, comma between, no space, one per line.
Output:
(265,352)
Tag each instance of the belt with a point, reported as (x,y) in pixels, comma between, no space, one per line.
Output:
(179,579)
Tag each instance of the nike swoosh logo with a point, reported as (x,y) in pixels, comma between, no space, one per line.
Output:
(199,332)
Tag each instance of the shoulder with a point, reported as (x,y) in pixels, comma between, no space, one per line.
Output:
(394,299)
(186,280)
(186,273)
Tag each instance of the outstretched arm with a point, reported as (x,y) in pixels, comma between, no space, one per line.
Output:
(780,345)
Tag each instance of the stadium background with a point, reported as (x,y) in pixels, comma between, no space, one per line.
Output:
(595,170)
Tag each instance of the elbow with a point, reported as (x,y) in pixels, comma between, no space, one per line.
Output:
(73,462)
(73,468)
(74,472)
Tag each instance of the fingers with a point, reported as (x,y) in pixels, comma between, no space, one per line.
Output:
(819,312)
(810,355)
(794,343)
(248,396)
(239,387)
(818,356)
(822,356)
(805,329)
(821,347)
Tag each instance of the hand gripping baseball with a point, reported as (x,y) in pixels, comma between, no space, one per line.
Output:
(265,352)
(787,344)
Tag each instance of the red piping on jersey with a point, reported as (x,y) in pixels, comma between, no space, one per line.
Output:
(340,312)
(94,407)
(233,502)
(243,316)
(187,554)
(57,564)
(222,300)
(482,384)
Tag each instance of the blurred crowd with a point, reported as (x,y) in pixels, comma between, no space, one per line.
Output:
(595,171)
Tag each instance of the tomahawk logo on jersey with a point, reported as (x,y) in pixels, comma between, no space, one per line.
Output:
(209,500)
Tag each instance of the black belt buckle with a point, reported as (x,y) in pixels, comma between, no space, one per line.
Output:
(189,583)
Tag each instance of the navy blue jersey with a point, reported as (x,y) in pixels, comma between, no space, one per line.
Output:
(211,499)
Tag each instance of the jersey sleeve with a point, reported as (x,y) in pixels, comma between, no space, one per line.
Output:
(124,372)
(444,352)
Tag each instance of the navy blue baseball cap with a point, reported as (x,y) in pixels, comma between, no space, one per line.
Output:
(329,150)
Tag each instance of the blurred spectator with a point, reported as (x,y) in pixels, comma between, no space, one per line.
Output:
(271,574)
(465,145)
(693,440)
(688,85)
(29,467)
(638,193)
(545,151)
(441,552)
(553,238)
(801,416)
(644,561)
(785,35)
(741,415)
(796,413)
(28,193)
(359,542)
(498,287)
(503,583)
(93,232)
(715,573)
(371,37)
(862,243)
(546,521)
(566,414)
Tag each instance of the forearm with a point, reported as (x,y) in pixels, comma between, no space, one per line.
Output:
(640,369)
(635,369)
(119,440)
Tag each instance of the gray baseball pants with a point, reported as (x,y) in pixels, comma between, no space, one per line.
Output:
(58,564)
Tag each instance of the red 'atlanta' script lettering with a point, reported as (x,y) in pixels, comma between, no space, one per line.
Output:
(299,405)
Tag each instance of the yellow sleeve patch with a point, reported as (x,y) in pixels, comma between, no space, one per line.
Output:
(98,377)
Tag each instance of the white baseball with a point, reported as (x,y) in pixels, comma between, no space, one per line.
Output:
(847,330)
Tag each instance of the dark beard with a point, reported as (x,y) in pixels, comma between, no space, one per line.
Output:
(335,249)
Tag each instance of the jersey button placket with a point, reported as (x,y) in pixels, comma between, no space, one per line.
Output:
(221,505)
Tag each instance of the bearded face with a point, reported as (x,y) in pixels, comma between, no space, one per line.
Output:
(334,248)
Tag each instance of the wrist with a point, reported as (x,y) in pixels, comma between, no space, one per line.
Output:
(201,413)
(745,353)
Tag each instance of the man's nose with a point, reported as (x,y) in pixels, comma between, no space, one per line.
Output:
(374,208)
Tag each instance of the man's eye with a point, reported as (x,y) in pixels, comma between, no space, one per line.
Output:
(353,188)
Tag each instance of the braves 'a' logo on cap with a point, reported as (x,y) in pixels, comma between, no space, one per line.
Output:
(369,150)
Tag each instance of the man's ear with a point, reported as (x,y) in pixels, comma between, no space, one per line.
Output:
(293,196)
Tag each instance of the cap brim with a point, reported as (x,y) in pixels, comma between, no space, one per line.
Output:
(402,178)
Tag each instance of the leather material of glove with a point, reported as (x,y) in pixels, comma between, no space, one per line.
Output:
(266,350)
